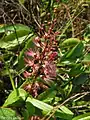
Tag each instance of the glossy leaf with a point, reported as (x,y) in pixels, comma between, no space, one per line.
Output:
(75,52)
(15,98)
(15,37)
(13,28)
(66,110)
(11,41)
(64,113)
(70,42)
(39,104)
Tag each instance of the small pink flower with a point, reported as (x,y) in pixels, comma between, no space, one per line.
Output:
(57,33)
(49,70)
(27,74)
(28,62)
(31,53)
(37,41)
(53,55)
(46,36)
(35,68)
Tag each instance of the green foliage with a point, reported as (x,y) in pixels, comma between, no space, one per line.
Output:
(30,108)
(70,42)
(20,58)
(62,113)
(75,52)
(85,116)
(86,58)
(7,113)
(48,95)
(80,79)
(71,63)
(87,34)
(39,104)
(62,98)
(14,35)
(16,98)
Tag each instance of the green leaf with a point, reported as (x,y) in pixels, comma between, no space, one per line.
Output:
(70,42)
(65,110)
(67,89)
(8,114)
(48,95)
(75,52)
(30,108)
(16,37)
(80,79)
(86,58)
(15,98)
(87,33)
(66,116)
(4,72)
(39,104)
(10,41)
(85,116)
(13,28)
(20,59)
(76,70)
(25,114)
(63,113)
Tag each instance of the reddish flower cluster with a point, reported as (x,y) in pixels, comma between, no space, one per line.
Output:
(35,88)
(41,59)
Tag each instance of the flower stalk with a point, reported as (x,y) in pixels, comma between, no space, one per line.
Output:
(41,58)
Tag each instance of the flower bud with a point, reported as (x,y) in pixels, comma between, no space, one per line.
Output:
(46,36)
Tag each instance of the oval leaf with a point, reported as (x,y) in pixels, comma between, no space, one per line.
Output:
(13,28)
(15,96)
(70,42)
(15,37)
(75,52)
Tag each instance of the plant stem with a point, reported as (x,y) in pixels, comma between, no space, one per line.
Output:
(12,82)
(11,79)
